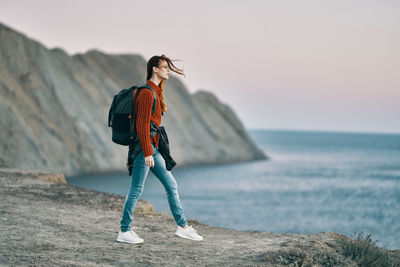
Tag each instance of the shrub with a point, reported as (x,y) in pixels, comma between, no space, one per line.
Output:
(365,252)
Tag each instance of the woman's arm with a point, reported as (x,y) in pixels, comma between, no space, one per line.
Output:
(144,102)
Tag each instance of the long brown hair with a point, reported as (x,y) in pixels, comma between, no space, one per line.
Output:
(154,61)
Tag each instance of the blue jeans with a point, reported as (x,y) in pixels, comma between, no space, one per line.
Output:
(139,174)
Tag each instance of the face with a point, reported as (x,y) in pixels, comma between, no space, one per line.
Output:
(162,70)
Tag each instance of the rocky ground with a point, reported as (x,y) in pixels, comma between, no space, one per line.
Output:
(46,222)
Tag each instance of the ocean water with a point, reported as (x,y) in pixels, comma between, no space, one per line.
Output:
(314,182)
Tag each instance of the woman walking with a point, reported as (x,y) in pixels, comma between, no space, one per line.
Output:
(149,158)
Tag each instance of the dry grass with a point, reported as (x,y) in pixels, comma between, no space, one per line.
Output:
(364,252)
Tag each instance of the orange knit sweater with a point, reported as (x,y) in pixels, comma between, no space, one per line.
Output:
(143,106)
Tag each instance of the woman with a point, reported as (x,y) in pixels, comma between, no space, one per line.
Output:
(158,69)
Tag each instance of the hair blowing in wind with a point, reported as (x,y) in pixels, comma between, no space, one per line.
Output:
(154,61)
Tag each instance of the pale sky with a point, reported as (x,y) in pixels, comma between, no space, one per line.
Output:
(329,65)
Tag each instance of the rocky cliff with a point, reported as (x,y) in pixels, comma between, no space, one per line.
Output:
(54,110)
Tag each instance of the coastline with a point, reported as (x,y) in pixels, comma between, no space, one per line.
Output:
(48,222)
(124,171)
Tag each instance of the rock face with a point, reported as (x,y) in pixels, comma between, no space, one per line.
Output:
(54,110)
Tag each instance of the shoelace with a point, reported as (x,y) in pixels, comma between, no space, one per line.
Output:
(132,232)
(192,230)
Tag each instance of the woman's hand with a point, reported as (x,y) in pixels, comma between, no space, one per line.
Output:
(149,161)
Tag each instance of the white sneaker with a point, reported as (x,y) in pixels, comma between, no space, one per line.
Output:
(188,233)
(129,237)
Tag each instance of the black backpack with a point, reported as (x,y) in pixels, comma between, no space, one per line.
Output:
(121,117)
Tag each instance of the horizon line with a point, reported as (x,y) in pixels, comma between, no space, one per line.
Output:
(319,130)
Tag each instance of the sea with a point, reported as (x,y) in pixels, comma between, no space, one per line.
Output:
(313,182)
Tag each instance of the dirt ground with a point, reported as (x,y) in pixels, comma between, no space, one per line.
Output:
(45,222)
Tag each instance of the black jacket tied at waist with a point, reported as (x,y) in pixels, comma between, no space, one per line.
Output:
(163,147)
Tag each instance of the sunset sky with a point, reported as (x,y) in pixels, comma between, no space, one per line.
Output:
(300,65)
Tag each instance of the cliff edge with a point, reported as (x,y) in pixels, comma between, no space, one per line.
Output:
(46,222)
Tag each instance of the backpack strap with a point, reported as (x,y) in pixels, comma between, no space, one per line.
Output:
(133,118)
(154,98)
